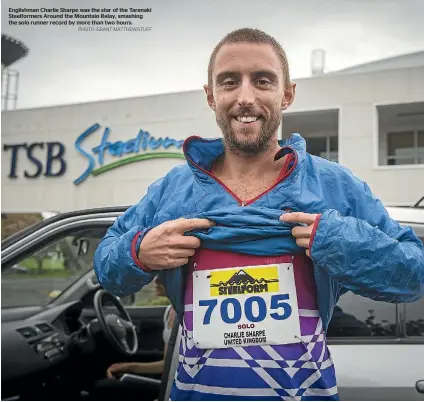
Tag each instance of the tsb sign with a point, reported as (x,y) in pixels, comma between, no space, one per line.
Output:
(46,158)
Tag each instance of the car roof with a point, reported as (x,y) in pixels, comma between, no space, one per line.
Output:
(407,214)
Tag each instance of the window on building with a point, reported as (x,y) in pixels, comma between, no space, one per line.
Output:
(405,148)
(357,316)
(325,147)
(319,128)
(420,143)
(401,134)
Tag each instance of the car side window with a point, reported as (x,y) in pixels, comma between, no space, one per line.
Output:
(42,276)
(415,316)
(357,316)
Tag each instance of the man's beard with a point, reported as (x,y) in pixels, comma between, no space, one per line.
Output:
(247,146)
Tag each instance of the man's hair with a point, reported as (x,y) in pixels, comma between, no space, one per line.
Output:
(250,35)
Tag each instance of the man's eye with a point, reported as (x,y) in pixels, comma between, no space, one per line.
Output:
(263,82)
(229,83)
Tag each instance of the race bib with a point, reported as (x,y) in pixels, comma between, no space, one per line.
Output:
(255,305)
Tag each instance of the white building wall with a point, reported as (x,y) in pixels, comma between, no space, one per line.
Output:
(357,96)
(183,114)
(175,115)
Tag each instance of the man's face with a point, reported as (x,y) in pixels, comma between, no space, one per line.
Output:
(248,96)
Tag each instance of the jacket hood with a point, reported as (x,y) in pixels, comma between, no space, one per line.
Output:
(201,152)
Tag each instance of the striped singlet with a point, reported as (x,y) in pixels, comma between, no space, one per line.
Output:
(297,371)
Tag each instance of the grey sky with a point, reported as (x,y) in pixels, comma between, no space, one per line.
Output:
(66,66)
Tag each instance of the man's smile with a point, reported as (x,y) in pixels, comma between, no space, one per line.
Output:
(246,120)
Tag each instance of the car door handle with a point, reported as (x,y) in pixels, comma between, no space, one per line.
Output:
(420,386)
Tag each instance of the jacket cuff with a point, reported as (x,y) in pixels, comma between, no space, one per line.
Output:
(135,245)
(314,230)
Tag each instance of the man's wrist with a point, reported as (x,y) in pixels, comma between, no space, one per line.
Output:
(135,251)
(314,231)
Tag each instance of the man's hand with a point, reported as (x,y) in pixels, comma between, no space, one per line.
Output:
(301,233)
(165,246)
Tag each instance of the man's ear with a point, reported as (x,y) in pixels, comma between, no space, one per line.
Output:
(209,97)
(289,95)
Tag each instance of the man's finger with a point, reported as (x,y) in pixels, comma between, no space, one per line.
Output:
(303,243)
(187,242)
(185,225)
(302,231)
(299,217)
(182,252)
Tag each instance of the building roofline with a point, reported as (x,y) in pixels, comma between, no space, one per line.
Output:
(356,67)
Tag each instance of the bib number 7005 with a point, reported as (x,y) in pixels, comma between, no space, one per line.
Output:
(277,302)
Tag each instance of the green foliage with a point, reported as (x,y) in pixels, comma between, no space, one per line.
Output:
(48,264)
(44,274)
(50,268)
(158,301)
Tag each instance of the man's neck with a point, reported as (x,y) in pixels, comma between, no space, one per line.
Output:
(237,166)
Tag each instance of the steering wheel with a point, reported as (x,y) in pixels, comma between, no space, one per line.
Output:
(118,329)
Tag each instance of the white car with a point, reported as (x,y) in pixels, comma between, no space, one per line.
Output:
(377,347)
(57,342)
(388,362)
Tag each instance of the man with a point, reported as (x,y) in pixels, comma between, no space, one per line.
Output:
(255,240)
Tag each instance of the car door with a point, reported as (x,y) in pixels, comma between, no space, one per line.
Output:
(378,347)
(412,322)
(52,264)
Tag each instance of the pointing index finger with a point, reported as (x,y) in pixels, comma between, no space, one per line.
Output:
(299,217)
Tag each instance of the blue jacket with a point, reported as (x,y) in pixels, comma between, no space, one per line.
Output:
(356,247)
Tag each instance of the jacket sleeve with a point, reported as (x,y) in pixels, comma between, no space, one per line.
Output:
(369,253)
(116,262)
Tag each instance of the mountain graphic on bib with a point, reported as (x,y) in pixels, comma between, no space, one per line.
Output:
(241,277)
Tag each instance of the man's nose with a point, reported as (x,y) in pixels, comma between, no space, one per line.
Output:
(246,96)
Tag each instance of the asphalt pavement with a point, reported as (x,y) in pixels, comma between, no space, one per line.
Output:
(29,291)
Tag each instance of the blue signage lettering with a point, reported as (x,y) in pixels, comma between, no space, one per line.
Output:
(143,142)
(55,155)
(34,160)
(55,152)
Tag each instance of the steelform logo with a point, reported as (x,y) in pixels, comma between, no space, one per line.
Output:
(244,281)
